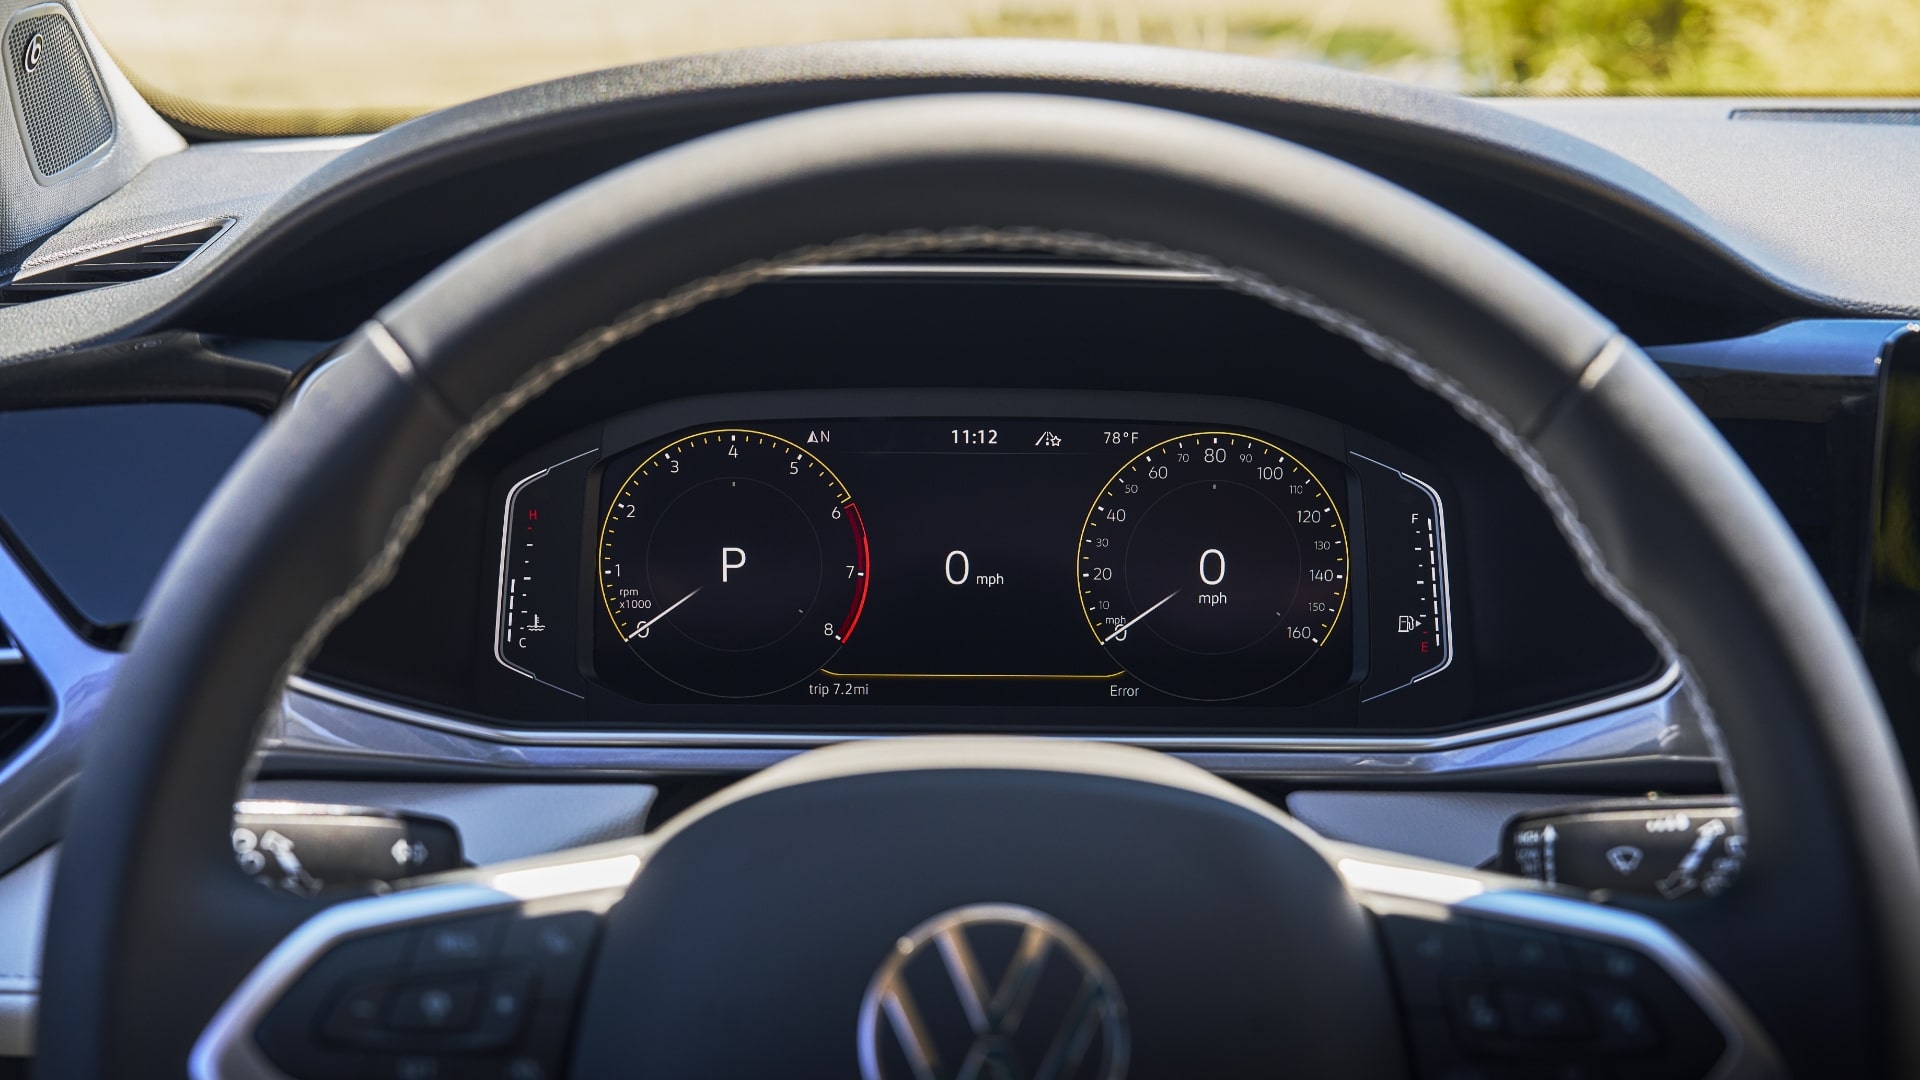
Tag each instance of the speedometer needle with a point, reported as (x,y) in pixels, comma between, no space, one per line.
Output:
(638,630)
(1123,627)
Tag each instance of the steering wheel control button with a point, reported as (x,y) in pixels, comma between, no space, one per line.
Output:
(359,1014)
(1476,1008)
(436,1004)
(506,1003)
(1545,1012)
(459,941)
(1624,1023)
(1424,951)
(557,946)
(1669,849)
(1590,958)
(1522,950)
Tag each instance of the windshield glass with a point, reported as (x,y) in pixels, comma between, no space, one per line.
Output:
(297,66)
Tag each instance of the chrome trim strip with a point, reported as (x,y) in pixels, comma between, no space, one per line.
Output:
(501,596)
(1090,271)
(1651,693)
(1442,578)
(1388,885)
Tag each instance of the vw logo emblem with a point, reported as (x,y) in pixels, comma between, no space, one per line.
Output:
(30,61)
(992,991)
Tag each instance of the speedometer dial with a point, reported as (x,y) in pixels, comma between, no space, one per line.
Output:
(733,562)
(1213,565)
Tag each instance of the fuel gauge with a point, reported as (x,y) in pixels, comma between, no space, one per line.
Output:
(1407,573)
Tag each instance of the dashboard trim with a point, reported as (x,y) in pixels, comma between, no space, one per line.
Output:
(1647,693)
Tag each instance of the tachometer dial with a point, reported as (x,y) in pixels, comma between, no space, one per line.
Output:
(1213,566)
(733,562)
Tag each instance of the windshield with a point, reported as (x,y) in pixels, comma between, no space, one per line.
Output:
(313,66)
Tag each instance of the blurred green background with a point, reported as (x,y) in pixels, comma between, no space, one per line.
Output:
(1866,47)
(316,66)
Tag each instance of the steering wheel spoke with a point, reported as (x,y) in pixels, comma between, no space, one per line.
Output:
(1495,972)
(475,973)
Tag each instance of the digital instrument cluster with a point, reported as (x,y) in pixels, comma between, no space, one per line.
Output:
(1245,556)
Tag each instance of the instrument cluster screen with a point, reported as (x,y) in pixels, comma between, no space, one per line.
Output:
(976,561)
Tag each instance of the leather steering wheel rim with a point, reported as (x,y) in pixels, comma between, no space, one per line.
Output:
(152,926)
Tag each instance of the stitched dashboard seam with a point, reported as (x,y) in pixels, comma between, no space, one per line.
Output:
(589,346)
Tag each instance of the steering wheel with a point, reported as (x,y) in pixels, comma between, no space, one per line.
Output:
(1035,907)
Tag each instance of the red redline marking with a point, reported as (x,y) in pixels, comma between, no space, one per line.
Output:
(866,560)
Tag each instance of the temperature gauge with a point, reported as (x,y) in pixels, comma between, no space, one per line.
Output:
(534,618)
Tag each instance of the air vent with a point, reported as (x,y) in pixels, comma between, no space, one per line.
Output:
(116,267)
(24,705)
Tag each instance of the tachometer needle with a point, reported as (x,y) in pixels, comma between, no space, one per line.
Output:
(1123,627)
(638,630)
